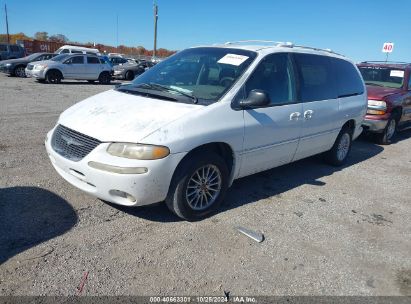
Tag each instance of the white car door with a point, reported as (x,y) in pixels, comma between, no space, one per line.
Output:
(271,133)
(321,121)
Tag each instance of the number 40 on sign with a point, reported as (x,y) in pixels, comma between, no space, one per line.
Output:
(388,47)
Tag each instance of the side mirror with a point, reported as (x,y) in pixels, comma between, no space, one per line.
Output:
(256,99)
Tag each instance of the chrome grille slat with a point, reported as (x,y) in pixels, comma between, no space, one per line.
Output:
(72,144)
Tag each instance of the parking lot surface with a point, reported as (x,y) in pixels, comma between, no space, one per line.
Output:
(328,231)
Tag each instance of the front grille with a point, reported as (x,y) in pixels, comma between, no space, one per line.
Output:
(30,67)
(71,144)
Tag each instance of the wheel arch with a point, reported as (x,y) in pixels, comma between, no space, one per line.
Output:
(224,150)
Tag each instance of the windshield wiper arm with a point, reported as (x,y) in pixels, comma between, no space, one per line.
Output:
(374,84)
(166,88)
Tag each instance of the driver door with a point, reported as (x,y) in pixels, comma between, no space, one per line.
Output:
(272,133)
(74,67)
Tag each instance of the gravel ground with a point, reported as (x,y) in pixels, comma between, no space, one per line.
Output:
(328,231)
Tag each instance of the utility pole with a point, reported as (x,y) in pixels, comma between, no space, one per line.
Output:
(7,24)
(155,28)
(117,34)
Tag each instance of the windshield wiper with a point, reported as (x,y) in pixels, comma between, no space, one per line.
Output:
(374,84)
(160,87)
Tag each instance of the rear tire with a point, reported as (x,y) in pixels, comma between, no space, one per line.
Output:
(129,75)
(53,77)
(198,186)
(389,132)
(338,154)
(104,78)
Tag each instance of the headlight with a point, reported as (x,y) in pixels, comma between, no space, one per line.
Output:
(376,107)
(8,64)
(138,151)
(40,66)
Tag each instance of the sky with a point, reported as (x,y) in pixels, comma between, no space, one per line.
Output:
(355,28)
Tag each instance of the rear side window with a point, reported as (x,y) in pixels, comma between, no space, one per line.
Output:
(14,48)
(316,77)
(349,82)
(274,75)
(93,60)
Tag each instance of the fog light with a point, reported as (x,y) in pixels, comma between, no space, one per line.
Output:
(123,194)
(119,170)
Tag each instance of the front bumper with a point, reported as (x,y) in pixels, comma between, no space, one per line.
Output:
(6,69)
(118,75)
(376,124)
(146,188)
(38,74)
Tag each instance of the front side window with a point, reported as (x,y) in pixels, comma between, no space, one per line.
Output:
(204,74)
(409,83)
(382,76)
(3,48)
(316,77)
(65,51)
(274,75)
(76,60)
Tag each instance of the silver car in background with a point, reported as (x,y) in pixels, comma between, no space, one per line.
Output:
(71,66)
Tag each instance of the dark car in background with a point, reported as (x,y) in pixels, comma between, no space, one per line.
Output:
(389,98)
(129,71)
(16,67)
(11,51)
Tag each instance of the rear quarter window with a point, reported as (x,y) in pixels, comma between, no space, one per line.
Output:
(349,82)
(316,77)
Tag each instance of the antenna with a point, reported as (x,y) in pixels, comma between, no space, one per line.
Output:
(155,7)
(7,24)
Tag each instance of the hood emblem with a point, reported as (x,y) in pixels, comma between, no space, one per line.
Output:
(71,141)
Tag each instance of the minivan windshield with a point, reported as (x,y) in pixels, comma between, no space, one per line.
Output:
(60,57)
(197,75)
(382,76)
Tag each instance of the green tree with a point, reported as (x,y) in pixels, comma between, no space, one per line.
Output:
(42,36)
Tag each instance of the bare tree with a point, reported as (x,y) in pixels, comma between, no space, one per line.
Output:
(42,36)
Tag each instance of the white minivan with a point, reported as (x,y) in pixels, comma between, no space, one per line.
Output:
(73,49)
(185,129)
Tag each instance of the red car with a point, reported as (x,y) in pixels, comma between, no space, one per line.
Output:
(389,98)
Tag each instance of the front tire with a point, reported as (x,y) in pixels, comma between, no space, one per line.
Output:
(198,186)
(129,75)
(338,154)
(53,77)
(389,132)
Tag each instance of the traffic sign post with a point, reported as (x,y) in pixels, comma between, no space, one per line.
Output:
(387,48)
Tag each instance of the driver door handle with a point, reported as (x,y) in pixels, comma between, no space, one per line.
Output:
(308,114)
(295,115)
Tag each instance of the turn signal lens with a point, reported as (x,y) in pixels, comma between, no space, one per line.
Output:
(138,151)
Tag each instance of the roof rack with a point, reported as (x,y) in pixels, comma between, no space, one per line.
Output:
(276,43)
(380,61)
(281,44)
(318,49)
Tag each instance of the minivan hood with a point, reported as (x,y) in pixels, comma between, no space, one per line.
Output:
(114,116)
(378,93)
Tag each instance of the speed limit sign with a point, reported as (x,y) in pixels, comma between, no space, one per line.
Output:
(388,47)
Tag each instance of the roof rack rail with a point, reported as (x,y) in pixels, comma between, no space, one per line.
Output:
(383,61)
(276,43)
(318,49)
